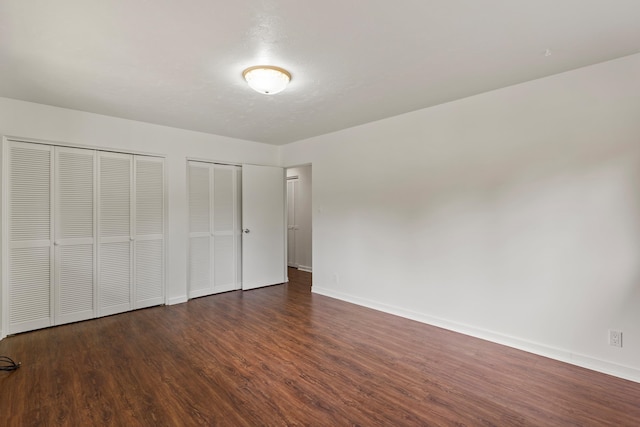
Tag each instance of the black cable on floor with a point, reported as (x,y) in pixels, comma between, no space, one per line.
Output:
(7,364)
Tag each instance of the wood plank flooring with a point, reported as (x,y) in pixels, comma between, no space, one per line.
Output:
(283,356)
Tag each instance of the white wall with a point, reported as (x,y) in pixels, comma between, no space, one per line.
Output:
(29,120)
(512,215)
(303,216)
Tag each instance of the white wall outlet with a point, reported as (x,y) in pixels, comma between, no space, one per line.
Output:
(615,338)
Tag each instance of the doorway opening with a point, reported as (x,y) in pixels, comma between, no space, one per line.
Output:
(299,218)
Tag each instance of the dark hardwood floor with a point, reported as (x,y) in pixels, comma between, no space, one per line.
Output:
(282,356)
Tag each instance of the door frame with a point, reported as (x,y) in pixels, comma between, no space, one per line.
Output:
(294,179)
(311,210)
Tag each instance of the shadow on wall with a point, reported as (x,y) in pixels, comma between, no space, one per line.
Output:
(528,231)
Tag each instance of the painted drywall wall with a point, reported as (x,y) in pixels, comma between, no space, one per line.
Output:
(36,121)
(303,216)
(513,215)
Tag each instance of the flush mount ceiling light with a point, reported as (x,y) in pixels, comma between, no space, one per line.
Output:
(267,79)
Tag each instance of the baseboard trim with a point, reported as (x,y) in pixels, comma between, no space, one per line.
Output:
(177,300)
(588,362)
(304,268)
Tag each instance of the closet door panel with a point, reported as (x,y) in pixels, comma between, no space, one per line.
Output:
(30,237)
(74,285)
(199,198)
(115,286)
(149,196)
(214,228)
(30,289)
(199,266)
(149,231)
(225,225)
(223,202)
(200,233)
(115,279)
(225,267)
(149,273)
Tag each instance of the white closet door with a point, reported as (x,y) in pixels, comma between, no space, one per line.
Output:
(214,228)
(149,231)
(263,222)
(30,237)
(115,287)
(226,228)
(74,282)
(200,233)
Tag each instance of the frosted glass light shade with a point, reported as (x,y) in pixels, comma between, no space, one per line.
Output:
(267,79)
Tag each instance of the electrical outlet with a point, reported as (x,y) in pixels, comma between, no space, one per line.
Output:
(615,338)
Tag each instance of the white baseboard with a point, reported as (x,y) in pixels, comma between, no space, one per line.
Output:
(177,300)
(304,268)
(562,355)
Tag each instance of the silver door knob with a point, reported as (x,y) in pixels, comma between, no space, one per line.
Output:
(245,230)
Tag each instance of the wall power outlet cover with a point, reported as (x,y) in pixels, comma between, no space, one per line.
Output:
(615,338)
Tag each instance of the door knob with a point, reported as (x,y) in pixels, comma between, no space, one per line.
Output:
(245,230)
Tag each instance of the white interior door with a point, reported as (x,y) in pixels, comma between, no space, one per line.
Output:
(226,228)
(75,279)
(29,266)
(214,228)
(148,231)
(200,233)
(115,289)
(263,224)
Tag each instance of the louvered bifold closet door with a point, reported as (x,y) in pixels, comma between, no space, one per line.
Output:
(226,228)
(74,283)
(148,231)
(30,237)
(115,287)
(200,232)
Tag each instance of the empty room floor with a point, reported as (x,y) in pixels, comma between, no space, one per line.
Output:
(283,356)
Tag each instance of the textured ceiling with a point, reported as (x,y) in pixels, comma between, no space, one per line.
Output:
(179,63)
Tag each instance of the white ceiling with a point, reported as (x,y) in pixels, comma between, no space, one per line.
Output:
(179,63)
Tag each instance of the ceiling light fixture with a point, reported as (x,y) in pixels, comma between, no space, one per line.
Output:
(267,79)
